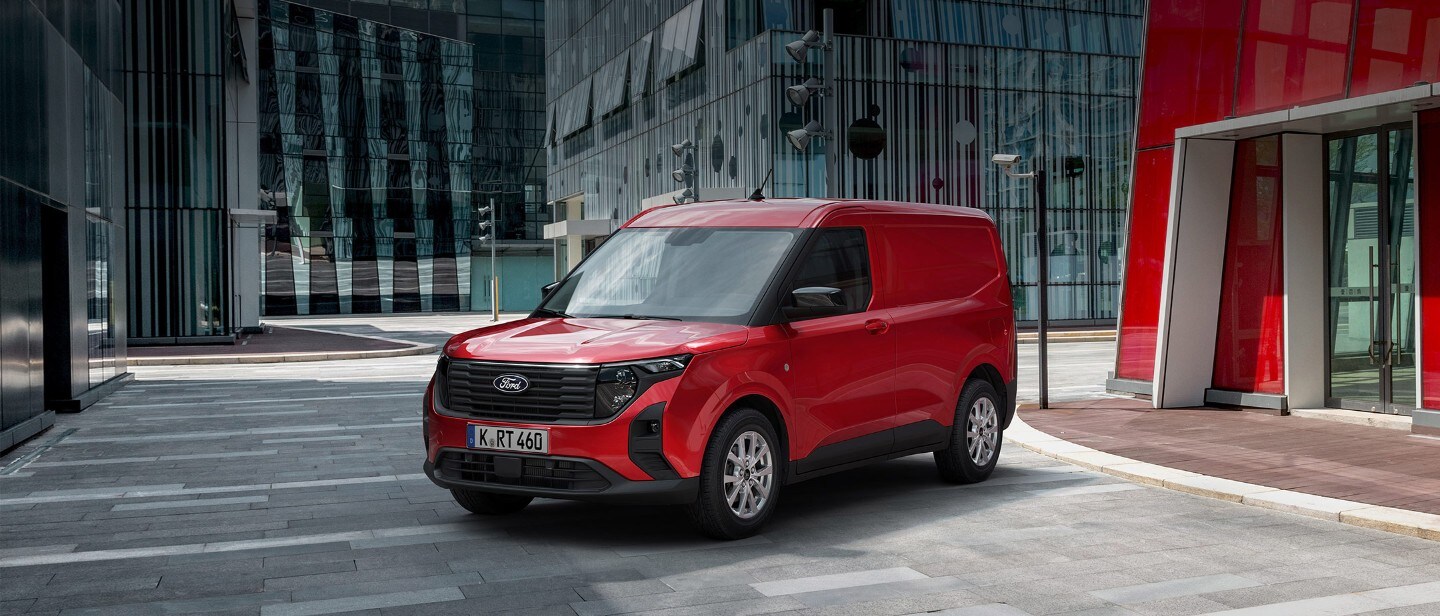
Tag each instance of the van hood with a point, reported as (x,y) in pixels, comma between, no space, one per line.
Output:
(592,341)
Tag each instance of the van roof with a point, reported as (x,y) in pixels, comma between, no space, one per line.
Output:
(781,212)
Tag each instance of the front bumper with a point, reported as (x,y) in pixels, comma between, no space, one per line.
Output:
(535,475)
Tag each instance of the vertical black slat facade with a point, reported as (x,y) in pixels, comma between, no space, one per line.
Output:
(177,227)
(366,135)
(62,329)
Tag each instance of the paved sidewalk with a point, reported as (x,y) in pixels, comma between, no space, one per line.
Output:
(1378,466)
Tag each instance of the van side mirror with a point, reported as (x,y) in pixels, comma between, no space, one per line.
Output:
(808,302)
(545,290)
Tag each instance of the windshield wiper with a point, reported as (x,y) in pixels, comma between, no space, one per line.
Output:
(556,313)
(639,317)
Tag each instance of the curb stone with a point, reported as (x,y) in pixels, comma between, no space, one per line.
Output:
(1365,515)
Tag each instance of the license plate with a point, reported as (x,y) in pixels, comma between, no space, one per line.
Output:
(508,439)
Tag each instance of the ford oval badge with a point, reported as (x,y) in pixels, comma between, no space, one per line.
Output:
(511,383)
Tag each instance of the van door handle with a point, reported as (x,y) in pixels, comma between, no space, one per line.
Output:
(876,326)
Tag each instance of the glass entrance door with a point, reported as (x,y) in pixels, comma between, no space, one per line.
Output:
(1371,273)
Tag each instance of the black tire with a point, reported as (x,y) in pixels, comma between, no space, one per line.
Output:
(711,512)
(490,503)
(955,462)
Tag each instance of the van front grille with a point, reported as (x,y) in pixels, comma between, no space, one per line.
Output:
(570,475)
(556,392)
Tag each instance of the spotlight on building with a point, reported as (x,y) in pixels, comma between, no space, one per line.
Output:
(799,49)
(682,174)
(800,137)
(685,196)
(679,149)
(800,94)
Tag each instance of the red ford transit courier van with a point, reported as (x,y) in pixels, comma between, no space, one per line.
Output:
(710,354)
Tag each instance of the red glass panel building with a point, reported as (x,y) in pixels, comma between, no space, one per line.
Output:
(1284,236)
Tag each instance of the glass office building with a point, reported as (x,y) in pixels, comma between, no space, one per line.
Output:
(386,128)
(176,219)
(62,223)
(365,136)
(928,91)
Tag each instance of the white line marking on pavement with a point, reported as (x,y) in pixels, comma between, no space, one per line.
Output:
(837,580)
(169,458)
(310,439)
(233,546)
(1343,605)
(183,436)
(62,496)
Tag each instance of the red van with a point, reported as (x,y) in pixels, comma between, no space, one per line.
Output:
(710,354)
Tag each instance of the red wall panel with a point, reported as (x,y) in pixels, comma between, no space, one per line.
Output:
(1144,264)
(1397,43)
(1249,344)
(1293,52)
(1429,220)
(1189,73)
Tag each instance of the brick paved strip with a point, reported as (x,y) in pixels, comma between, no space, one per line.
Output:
(366,602)
(198,502)
(837,580)
(1390,519)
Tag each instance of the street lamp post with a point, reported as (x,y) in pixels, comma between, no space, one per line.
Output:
(1042,265)
(494,273)
(686,173)
(828,89)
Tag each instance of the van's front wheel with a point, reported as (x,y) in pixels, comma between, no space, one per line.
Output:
(741,477)
(975,436)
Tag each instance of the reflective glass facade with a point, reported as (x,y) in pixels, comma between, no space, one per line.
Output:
(365,144)
(928,91)
(175,209)
(1209,61)
(62,291)
(431,111)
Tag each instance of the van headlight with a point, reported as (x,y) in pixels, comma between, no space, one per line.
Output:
(618,384)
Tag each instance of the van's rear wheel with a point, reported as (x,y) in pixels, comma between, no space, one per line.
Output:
(975,436)
(490,503)
(740,478)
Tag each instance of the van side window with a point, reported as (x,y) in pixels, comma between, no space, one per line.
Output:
(839,259)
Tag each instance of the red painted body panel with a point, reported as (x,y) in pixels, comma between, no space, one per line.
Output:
(591,341)
(1144,265)
(1250,342)
(832,378)
(1429,257)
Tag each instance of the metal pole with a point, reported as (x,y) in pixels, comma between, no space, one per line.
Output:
(494,274)
(832,107)
(1042,250)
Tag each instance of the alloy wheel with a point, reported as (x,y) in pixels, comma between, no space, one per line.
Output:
(982,430)
(749,474)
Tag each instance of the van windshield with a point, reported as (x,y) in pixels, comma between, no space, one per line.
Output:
(688,274)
